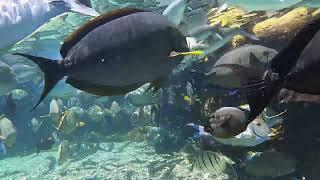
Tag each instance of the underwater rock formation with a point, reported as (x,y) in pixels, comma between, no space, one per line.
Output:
(124,160)
(285,26)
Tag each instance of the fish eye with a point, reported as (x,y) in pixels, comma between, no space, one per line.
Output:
(258,124)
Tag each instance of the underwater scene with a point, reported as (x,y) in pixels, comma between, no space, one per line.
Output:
(160,89)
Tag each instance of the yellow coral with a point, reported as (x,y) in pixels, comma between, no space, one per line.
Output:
(238,40)
(283,26)
(232,17)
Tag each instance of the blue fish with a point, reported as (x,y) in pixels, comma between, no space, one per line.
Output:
(198,130)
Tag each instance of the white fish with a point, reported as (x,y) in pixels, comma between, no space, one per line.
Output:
(258,5)
(256,133)
(142,97)
(19,18)
(175,11)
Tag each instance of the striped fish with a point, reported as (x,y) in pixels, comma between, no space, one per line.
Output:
(214,163)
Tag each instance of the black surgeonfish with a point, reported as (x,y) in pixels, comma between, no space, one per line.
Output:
(115,53)
(296,67)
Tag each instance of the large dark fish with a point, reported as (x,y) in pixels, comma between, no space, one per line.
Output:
(115,53)
(295,68)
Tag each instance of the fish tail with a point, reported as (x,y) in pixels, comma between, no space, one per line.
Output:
(52,70)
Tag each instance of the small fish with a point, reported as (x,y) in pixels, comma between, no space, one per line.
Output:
(45,143)
(187,99)
(8,79)
(216,41)
(256,133)
(294,68)
(228,120)
(270,164)
(214,163)
(201,33)
(131,64)
(19,18)
(261,5)
(35,124)
(196,130)
(175,11)
(70,121)
(142,97)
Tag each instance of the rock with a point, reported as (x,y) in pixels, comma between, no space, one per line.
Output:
(283,27)
(124,161)
(8,132)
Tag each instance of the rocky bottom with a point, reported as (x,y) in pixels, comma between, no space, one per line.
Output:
(125,160)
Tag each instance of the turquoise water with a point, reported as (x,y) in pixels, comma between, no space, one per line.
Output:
(142,134)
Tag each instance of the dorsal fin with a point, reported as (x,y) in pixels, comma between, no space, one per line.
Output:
(83,30)
(254,61)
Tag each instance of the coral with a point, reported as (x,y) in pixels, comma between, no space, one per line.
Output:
(138,134)
(284,26)
(233,17)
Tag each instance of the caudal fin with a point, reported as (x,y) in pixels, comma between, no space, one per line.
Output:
(52,73)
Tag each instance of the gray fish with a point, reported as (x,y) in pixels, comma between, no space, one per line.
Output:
(175,11)
(228,120)
(270,164)
(214,163)
(295,68)
(19,18)
(201,33)
(8,79)
(249,56)
(141,97)
(120,60)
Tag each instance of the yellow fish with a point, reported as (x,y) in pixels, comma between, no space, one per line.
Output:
(187,99)
(191,53)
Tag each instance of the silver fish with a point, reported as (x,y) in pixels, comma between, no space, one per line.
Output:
(270,164)
(19,18)
(175,11)
(217,41)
